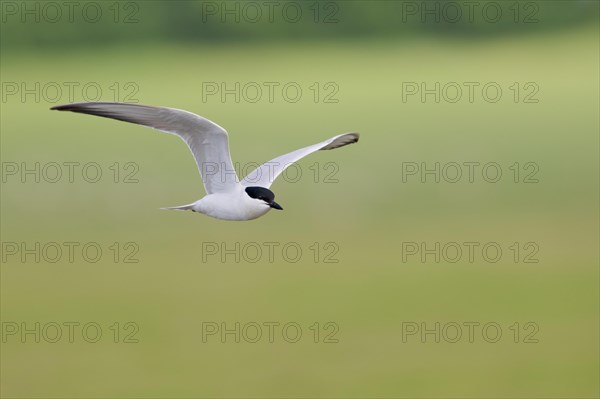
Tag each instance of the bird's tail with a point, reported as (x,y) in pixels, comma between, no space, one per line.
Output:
(189,207)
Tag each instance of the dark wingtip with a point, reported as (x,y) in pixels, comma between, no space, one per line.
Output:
(81,106)
(345,139)
(65,107)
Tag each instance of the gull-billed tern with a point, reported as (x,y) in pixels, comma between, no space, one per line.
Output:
(227,198)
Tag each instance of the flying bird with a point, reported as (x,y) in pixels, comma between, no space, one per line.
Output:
(227,197)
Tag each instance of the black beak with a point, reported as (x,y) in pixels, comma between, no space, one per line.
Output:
(275,205)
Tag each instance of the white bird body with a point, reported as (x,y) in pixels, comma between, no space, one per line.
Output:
(227,197)
(235,205)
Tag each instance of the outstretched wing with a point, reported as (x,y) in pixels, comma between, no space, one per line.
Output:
(207,140)
(265,175)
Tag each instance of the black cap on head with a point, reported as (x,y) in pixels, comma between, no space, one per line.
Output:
(264,194)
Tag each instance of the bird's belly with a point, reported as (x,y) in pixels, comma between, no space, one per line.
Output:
(229,214)
(226,209)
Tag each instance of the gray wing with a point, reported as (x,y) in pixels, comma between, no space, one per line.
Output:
(265,175)
(207,140)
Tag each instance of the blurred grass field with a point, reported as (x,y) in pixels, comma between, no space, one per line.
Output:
(369,213)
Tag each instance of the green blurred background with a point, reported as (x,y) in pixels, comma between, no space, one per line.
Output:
(162,53)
